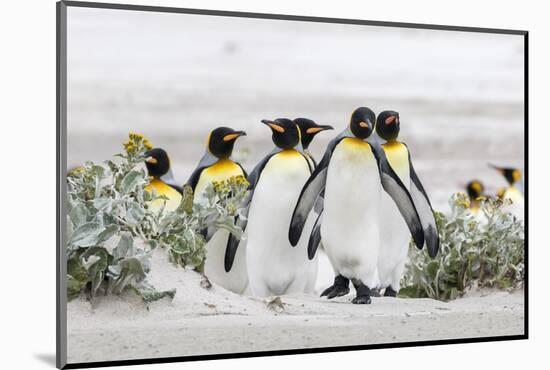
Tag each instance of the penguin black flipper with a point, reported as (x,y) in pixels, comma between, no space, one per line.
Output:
(315,237)
(206,161)
(425,211)
(395,188)
(195,176)
(232,241)
(313,187)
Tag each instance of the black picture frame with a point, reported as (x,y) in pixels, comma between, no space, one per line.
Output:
(61,172)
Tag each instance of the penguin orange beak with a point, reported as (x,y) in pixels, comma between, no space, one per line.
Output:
(314,130)
(234,135)
(273,125)
(151,160)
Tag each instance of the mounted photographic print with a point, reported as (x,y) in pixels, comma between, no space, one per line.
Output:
(237,184)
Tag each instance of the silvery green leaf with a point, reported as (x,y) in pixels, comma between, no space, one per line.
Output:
(69,228)
(134,213)
(150,294)
(101,203)
(88,262)
(110,231)
(130,181)
(79,214)
(147,196)
(124,247)
(74,287)
(86,235)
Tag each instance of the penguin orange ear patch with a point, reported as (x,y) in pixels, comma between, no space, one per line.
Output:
(389,120)
(363,124)
(314,130)
(151,160)
(277,127)
(230,137)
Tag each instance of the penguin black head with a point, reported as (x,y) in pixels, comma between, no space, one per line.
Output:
(221,141)
(362,122)
(388,125)
(475,189)
(512,175)
(286,134)
(309,129)
(157,162)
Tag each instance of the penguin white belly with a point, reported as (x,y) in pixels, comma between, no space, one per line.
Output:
(274,266)
(350,229)
(394,234)
(517,208)
(235,280)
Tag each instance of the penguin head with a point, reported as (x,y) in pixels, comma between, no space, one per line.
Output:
(475,189)
(387,125)
(512,175)
(221,141)
(286,134)
(157,162)
(309,129)
(362,122)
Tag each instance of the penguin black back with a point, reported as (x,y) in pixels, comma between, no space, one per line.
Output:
(286,134)
(362,122)
(222,140)
(309,129)
(157,162)
(388,125)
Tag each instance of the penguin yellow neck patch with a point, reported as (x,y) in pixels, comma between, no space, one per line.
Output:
(354,142)
(219,171)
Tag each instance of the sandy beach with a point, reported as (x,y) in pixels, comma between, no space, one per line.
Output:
(176,77)
(203,321)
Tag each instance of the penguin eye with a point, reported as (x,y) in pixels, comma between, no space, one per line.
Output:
(389,120)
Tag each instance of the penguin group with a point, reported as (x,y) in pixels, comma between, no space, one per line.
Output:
(511,193)
(360,204)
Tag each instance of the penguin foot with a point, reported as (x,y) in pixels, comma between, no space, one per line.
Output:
(389,292)
(363,293)
(361,300)
(375,293)
(338,289)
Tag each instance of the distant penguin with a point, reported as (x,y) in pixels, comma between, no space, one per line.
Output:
(514,191)
(216,165)
(352,173)
(475,191)
(158,167)
(309,129)
(274,267)
(394,234)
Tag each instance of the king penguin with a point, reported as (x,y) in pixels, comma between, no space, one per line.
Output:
(216,165)
(158,167)
(475,190)
(274,267)
(514,191)
(309,129)
(393,230)
(352,173)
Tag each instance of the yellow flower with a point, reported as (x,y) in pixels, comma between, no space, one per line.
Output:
(147,144)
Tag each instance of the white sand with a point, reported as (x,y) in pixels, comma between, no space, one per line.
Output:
(200,321)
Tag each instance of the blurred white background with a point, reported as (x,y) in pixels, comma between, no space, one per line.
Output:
(175,77)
